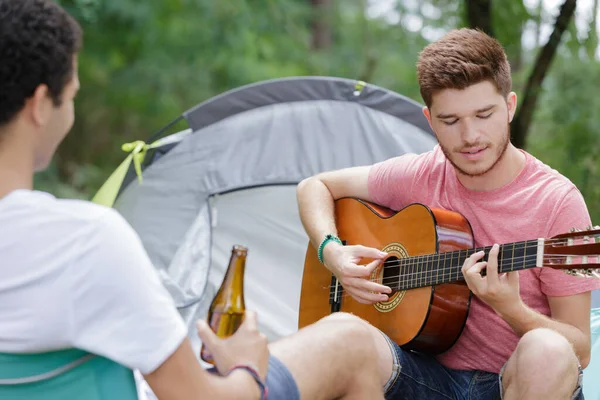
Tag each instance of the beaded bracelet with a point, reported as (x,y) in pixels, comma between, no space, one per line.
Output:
(327,239)
(264,390)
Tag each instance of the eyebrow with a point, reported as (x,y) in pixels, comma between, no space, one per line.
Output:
(484,109)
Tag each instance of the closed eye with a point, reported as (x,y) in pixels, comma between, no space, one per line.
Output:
(450,122)
(486,116)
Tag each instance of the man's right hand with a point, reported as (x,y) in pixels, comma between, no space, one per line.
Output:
(247,346)
(343,261)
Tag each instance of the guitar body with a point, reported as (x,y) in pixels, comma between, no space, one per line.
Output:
(428,319)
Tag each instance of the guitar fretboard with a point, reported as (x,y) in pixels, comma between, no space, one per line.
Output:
(436,269)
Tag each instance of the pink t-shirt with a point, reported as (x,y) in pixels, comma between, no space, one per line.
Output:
(538,203)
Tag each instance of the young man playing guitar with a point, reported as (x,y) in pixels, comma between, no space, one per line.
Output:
(527,335)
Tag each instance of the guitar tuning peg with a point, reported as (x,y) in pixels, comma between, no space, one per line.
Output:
(596,273)
(572,230)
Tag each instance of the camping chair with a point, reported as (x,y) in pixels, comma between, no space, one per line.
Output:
(591,385)
(64,374)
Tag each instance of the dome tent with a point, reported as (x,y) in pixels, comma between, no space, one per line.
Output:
(231,178)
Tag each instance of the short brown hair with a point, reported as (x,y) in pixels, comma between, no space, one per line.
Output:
(460,59)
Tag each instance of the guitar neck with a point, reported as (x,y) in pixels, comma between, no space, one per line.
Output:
(436,269)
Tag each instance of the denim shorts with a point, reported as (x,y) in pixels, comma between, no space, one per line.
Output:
(280,382)
(418,376)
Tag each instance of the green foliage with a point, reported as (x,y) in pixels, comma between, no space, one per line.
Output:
(566,133)
(144,63)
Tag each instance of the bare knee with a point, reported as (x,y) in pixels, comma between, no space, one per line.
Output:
(369,347)
(350,329)
(350,324)
(544,364)
(343,317)
(547,349)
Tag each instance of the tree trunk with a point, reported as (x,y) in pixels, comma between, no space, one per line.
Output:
(479,15)
(516,55)
(368,50)
(592,39)
(321,29)
(521,123)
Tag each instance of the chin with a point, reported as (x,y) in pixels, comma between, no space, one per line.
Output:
(472,170)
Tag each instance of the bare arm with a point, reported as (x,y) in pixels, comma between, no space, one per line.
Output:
(181,377)
(316,196)
(570,314)
(570,318)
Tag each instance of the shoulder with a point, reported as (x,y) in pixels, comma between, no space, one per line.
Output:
(46,209)
(85,214)
(557,197)
(61,227)
(414,162)
(552,182)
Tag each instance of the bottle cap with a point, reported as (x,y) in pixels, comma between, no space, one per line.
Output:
(238,248)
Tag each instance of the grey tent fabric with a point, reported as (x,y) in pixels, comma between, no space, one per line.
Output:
(231,179)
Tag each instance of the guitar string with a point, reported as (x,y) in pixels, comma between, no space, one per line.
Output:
(427,258)
(427,273)
(445,270)
(459,278)
(448,272)
(424,274)
(529,245)
(332,296)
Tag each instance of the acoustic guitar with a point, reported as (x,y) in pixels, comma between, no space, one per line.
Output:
(428,307)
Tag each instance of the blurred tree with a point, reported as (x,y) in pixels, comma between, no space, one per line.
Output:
(143,64)
(565,131)
(522,121)
(591,42)
(479,15)
(321,28)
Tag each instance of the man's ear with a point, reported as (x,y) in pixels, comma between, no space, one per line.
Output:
(511,103)
(427,114)
(39,106)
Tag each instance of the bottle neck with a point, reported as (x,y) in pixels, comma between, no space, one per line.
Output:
(234,276)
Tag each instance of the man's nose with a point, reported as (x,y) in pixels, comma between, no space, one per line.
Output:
(469,131)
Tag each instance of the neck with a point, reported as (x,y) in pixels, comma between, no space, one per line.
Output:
(16,161)
(505,171)
(440,268)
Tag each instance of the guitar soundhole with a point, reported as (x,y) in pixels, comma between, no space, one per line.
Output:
(391,273)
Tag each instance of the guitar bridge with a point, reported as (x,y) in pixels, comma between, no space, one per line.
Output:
(335,292)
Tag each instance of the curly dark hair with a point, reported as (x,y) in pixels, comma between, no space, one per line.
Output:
(38,40)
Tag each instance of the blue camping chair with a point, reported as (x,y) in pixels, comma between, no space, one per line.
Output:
(65,374)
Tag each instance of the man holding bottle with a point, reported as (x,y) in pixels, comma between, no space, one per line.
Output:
(74,275)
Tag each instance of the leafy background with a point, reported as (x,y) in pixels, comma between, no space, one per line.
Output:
(144,63)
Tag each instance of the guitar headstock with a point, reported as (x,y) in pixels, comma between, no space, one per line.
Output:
(574,234)
(583,272)
(577,252)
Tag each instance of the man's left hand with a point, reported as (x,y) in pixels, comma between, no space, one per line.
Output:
(499,291)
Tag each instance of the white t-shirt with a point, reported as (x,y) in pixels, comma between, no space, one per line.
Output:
(74,274)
